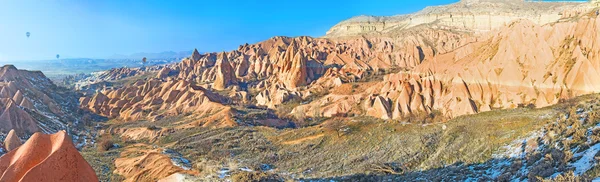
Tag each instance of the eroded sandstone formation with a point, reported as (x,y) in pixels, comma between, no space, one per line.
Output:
(146,98)
(498,72)
(272,72)
(46,158)
(28,98)
(418,69)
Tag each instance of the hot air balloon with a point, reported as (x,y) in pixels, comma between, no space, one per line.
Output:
(57,56)
(28,34)
(144,60)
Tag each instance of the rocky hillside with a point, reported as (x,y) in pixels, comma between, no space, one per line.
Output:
(495,72)
(465,15)
(30,102)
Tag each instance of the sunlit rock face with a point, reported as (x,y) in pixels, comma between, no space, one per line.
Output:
(464,58)
(466,15)
(46,158)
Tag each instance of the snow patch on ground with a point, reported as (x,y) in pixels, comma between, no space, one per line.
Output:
(223,173)
(517,148)
(177,159)
(246,169)
(496,169)
(587,161)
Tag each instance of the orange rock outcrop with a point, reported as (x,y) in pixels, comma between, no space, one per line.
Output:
(151,165)
(46,158)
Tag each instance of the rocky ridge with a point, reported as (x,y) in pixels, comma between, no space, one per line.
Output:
(101,79)
(465,15)
(423,69)
(30,102)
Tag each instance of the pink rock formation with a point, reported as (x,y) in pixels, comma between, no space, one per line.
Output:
(164,73)
(46,158)
(425,69)
(145,99)
(224,73)
(15,117)
(12,141)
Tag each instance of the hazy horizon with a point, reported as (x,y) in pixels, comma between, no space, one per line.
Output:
(100,29)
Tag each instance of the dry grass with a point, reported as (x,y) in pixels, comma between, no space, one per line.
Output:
(102,161)
(255,177)
(348,146)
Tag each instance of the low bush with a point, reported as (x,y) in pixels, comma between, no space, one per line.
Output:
(105,143)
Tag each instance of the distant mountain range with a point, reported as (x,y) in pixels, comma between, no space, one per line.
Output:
(160,55)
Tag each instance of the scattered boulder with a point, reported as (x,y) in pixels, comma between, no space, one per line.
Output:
(12,141)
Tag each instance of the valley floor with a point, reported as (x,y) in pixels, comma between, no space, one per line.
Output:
(560,142)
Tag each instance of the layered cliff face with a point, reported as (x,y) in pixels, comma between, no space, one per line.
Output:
(562,65)
(466,15)
(500,71)
(46,158)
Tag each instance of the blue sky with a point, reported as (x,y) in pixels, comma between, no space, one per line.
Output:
(98,29)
